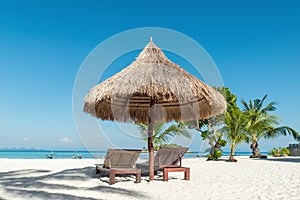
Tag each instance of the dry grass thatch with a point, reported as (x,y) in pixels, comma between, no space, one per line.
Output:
(153,86)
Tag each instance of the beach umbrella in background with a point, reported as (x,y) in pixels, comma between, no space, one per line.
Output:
(153,89)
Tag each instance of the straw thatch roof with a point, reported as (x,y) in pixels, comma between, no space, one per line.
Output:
(152,80)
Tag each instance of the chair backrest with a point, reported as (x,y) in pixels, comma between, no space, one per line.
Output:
(168,156)
(121,158)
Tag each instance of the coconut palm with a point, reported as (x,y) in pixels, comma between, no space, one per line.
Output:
(234,129)
(163,133)
(260,123)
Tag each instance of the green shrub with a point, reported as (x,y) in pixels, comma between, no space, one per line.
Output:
(277,152)
(285,151)
(209,157)
(218,153)
(216,156)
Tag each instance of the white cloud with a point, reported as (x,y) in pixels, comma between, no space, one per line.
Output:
(26,139)
(65,140)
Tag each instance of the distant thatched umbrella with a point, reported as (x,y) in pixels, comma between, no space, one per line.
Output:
(152,89)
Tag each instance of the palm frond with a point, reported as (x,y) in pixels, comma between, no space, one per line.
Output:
(158,126)
(282,130)
(250,105)
(270,107)
(257,104)
(172,131)
(244,103)
(143,128)
(234,126)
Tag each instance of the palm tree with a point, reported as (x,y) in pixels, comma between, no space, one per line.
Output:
(234,129)
(215,141)
(162,133)
(209,128)
(261,124)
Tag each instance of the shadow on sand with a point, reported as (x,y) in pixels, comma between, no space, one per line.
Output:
(285,159)
(28,184)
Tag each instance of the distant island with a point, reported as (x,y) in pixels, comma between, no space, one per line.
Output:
(18,149)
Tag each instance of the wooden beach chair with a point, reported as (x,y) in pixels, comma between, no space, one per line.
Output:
(167,160)
(119,161)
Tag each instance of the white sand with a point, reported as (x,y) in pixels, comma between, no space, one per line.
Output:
(76,179)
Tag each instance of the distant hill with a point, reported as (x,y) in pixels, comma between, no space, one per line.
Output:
(18,149)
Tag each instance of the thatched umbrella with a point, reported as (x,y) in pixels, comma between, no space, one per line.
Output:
(152,89)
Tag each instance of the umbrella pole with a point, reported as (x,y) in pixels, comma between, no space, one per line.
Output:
(150,144)
(151,150)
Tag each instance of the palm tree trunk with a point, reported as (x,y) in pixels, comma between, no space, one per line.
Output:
(232,149)
(255,149)
(212,152)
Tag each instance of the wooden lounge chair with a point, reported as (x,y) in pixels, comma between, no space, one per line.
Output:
(119,161)
(167,160)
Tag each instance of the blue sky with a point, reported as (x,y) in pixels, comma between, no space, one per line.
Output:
(254,44)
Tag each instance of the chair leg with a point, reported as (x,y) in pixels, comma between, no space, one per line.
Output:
(138,177)
(165,174)
(112,179)
(187,174)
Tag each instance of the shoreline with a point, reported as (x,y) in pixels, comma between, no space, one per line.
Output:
(43,154)
(143,158)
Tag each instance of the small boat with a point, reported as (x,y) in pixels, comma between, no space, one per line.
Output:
(50,155)
(74,156)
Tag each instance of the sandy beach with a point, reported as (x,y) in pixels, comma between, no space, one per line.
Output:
(275,178)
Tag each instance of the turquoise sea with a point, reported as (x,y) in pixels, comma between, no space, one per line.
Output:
(58,154)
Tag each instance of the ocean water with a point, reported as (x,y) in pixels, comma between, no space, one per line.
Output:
(42,154)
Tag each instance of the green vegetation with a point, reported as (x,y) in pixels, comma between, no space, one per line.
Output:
(234,129)
(249,124)
(260,123)
(209,132)
(216,143)
(233,122)
(210,128)
(162,133)
(277,152)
